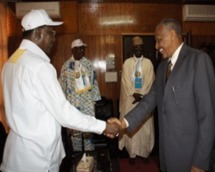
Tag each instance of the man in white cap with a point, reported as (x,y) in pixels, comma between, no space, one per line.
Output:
(78,80)
(35,104)
(137,78)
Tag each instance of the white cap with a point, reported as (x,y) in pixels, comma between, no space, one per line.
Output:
(37,18)
(78,43)
(137,41)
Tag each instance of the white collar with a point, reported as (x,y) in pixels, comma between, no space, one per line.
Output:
(31,46)
(174,57)
(138,58)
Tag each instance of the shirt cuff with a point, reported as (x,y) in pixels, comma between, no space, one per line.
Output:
(126,122)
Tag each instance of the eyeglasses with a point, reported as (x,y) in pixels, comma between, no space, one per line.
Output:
(50,30)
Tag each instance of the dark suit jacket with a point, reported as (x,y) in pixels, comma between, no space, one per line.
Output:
(186,111)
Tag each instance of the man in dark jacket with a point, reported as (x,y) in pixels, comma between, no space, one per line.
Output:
(186,103)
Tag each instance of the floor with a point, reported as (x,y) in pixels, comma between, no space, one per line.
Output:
(109,158)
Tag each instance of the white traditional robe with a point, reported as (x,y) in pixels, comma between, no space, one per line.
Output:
(141,141)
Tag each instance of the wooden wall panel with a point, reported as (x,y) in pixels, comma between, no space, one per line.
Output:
(103,18)
(199,28)
(5,16)
(69,15)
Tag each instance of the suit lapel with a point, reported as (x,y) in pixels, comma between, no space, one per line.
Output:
(179,62)
(169,84)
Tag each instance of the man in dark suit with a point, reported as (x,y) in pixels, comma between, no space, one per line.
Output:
(186,103)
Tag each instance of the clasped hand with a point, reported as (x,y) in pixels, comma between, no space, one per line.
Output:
(114,127)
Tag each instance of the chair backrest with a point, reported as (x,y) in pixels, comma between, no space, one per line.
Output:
(104,109)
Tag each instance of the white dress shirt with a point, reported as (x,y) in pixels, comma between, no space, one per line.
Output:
(174,57)
(35,109)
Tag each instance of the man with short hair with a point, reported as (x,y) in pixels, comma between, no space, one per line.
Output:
(35,104)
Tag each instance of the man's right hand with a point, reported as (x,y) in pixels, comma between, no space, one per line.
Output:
(113,128)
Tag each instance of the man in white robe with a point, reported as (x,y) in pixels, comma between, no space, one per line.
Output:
(137,78)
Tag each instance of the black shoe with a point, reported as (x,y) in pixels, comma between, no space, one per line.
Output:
(146,160)
(132,161)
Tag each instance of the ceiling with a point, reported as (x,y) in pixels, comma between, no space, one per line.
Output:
(133,1)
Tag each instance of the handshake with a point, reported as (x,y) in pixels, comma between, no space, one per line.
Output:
(114,127)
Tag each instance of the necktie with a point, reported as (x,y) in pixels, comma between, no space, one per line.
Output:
(168,71)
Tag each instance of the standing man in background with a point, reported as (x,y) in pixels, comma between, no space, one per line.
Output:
(186,103)
(137,78)
(78,81)
(35,104)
